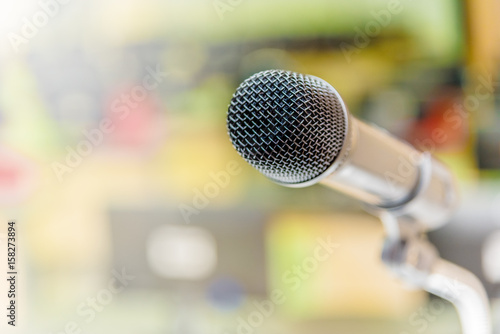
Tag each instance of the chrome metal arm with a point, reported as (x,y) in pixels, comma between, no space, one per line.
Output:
(414,259)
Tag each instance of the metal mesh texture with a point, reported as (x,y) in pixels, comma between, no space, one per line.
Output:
(289,126)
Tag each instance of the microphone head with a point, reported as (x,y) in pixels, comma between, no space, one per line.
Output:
(289,126)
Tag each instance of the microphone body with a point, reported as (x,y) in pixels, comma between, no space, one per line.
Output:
(390,175)
(296,130)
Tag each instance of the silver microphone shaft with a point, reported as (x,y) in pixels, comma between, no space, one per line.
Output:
(387,173)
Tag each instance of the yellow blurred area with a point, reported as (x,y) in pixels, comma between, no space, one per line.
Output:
(350,282)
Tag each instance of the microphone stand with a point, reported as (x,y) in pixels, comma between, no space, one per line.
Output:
(409,254)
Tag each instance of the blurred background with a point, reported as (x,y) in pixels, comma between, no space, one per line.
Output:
(135,214)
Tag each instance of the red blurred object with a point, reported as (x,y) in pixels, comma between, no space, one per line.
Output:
(135,118)
(17,177)
(444,123)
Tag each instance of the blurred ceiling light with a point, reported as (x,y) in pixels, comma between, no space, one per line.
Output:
(183,253)
(13,14)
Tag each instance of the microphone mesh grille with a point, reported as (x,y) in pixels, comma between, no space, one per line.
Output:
(289,126)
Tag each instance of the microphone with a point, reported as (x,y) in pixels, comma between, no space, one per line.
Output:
(296,130)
